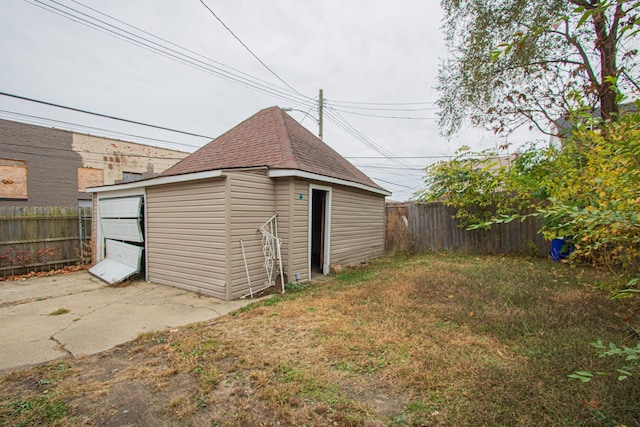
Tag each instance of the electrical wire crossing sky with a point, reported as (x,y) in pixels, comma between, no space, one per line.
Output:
(179,74)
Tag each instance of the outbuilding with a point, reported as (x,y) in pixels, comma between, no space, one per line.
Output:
(266,199)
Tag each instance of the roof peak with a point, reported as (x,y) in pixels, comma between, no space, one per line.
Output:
(271,138)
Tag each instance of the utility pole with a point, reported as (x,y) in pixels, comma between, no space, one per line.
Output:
(320,103)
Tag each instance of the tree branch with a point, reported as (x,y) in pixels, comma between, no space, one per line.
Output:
(585,58)
(613,30)
(631,80)
(584,3)
(546,62)
(533,120)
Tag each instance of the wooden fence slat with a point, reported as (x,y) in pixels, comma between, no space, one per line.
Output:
(41,238)
(432,228)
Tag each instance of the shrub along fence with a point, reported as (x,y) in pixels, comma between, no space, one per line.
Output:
(43,238)
(431,227)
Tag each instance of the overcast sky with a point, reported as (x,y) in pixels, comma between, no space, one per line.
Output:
(373,58)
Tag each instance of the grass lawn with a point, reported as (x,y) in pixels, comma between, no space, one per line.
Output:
(425,340)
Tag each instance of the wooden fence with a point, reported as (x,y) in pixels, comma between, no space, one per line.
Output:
(397,233)
(43,238)
(431,227)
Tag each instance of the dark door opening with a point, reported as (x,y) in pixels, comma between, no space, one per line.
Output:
(318,212)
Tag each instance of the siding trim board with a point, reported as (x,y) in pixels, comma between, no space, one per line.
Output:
(163,180)
(276,173)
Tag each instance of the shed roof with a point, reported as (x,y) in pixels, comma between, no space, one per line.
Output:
(273,139)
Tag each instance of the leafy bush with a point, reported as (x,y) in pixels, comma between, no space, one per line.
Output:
(629,358)
(587,189)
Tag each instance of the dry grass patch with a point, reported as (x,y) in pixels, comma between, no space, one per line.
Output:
(423,340)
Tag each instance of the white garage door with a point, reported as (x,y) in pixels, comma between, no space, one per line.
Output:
(122,261)
(120,220)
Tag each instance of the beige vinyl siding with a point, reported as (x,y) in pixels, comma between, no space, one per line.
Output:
(300,235)
(252,203)
(186,236)
(357,225)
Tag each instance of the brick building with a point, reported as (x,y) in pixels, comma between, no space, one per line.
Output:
(42,166)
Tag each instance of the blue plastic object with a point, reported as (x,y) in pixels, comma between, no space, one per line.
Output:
(560,250)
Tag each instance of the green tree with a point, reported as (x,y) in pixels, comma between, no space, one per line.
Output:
(518,61)
(534,62)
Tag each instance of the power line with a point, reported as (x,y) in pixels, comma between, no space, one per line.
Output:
(402,157)
(247,47)
(344,125)
(144,156)
(306,113)
(51,104)
(178,56)
(167,52)
(151,157)
(79,126)
(194,62)
(393,183)
(383,103)
(171,43)
(387,117)
(342,107)
(395,176)
(336,118)
(417,177)
(252,83)
(249,81)
(417,168)
(346,109)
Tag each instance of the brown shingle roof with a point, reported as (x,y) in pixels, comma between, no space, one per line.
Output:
(273,139)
